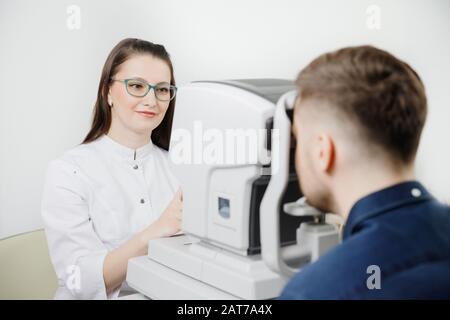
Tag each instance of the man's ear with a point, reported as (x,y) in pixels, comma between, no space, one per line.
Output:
(325,152)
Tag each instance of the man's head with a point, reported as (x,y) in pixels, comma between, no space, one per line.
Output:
(359,109)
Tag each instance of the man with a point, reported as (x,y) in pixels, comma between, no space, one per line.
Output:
(357,121)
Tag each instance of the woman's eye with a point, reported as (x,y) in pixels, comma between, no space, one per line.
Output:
(136,85)
(163,90)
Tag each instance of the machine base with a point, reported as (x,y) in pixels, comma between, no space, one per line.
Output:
(182,268)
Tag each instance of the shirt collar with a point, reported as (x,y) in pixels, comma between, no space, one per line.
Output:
(123,151)
(383,201)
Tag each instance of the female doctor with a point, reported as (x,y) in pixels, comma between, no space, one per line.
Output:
(106,198)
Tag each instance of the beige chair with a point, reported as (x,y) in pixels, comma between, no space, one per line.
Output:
(25,268)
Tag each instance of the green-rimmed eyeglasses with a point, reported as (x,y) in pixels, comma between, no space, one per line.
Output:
(139,88)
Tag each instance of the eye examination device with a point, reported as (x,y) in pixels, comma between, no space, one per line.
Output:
(246,226)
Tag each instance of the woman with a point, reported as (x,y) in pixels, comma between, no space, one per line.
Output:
(106,198)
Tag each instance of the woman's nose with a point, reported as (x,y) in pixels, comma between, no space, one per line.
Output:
(150,98)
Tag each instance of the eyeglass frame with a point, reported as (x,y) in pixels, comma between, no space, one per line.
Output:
(149,87)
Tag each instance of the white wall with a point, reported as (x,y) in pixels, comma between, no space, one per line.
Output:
(49,73)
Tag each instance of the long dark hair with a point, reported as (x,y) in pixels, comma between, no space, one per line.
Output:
(101,121)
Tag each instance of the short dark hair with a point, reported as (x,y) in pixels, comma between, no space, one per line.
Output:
(124,50)
(379,92)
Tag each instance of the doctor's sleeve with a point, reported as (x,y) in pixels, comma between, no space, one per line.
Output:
(76,251)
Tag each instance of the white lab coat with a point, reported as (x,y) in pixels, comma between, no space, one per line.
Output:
(96,197)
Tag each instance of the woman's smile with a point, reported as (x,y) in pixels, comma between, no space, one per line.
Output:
(147,114)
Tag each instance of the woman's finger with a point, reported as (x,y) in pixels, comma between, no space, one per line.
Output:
(179,194)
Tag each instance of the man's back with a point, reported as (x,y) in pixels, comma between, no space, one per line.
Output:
(396,246)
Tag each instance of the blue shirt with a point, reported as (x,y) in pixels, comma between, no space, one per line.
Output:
(401,230)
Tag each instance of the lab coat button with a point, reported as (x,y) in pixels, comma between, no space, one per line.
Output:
(135,167)
(416,192)
(142,201)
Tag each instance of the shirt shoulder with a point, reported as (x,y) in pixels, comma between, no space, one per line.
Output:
(79,153)
(396,243)
(71,167)
(86,158)
(160,151)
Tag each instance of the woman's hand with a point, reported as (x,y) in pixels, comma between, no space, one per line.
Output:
(169,223)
